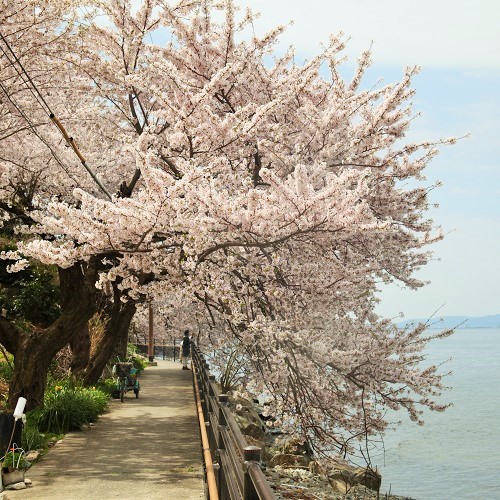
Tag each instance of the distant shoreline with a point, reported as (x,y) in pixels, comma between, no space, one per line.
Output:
(458,322)
(465,327)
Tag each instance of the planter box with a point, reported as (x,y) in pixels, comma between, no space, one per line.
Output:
(16,476)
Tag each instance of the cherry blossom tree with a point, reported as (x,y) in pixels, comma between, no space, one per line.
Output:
(41,43)
(262,202)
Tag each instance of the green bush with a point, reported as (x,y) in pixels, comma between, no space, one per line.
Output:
(37,299)
(107,385)
(139,361)
(30,295)
(68,407)
(32,438)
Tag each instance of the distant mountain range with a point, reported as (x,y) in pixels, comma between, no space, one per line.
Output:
(459,321)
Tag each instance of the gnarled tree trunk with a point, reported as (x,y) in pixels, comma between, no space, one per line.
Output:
(80,351)
(119,314)
(116,334)
(34,351)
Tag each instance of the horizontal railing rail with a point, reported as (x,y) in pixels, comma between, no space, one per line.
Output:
(163,349)
(239,475)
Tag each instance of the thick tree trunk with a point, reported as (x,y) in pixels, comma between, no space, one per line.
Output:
(123,325)
(31,380)
(33,356)
(34,351)
(115,333)
(80,351)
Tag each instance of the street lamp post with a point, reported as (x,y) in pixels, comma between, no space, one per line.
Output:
(150,340)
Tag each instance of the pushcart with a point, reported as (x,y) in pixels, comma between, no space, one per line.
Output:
(126,379)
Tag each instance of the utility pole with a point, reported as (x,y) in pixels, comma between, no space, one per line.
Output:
(150,342)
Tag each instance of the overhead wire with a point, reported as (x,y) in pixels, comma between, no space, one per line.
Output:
(25,77)
(23,70)
(33,128)
(21,75)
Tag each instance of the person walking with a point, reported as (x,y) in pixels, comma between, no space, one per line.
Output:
(186,349)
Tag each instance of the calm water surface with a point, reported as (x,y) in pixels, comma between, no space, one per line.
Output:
(456,454)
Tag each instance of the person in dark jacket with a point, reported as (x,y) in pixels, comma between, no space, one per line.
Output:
(186,349)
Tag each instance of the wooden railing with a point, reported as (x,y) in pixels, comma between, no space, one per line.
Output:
(237,466)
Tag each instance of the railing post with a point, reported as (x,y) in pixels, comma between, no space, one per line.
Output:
(203,390)
(221,485)
(251,455)
(210,409)
(211,393)
(206,371)
(223,400)
(203,401)
(211,381)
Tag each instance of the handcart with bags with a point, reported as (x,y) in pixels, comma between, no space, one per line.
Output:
(126,379)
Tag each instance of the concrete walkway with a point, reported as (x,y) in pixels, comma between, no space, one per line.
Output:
(146,448)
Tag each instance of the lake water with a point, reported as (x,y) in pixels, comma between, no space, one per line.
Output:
(456,454)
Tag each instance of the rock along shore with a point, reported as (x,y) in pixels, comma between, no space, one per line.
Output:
(292,471)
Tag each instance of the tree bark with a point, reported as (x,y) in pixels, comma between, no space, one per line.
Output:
(116,334)
(80,351)
(122,327)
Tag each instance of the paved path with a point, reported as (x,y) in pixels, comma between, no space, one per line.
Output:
(146,448)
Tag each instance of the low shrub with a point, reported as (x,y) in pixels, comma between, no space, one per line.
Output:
(32,438)
(138,360)
(68,408)
(107,385)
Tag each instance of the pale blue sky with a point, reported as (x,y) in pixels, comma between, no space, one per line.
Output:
(457,44)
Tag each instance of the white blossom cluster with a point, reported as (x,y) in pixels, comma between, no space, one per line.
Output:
(269,202)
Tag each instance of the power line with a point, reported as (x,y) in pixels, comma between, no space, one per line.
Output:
(35,131)
(24,71)
(43,103)
(21,75)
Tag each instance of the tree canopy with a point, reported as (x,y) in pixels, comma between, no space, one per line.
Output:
(261,199)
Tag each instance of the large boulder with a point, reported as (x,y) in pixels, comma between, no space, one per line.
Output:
(292,445)
(265,456)
(368,477)
(345,477)
(314,467)
(254,431)
(242,408)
